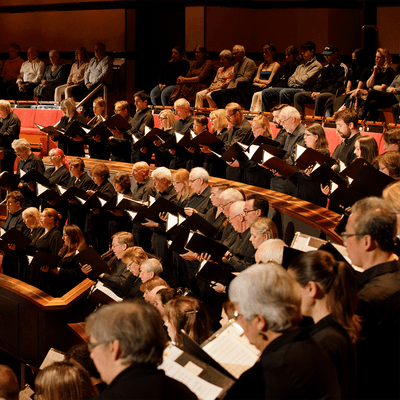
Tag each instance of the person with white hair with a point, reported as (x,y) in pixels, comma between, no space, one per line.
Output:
(270,250)
(53,76)
(292,365)
(149,269)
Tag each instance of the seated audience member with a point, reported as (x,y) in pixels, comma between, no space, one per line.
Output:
(177,66)
(76,75)
(369,238)
(52,77)
(329,296)
(240,131)
(333,77)
(260,102)
(29,77)
(118,269)
(261,230)
(270,250)
(302,79)
(253,173)
(9,387)
(68,272)
(132,257)
(307,188)
(182,125)
(264,76)
(75,146)
(120,142)
(391,139)
(81,355)
(99,147)
(219,127)
(222,78)
(378,83)
(162,155)
(76,212)
(186,313)
(10,71)
(10,126)
(389,164)
(99,71)
(127,341)
(96,223)
(290,120)
(358,76)
(366,147)
(268,305)
(199,77)
(243,70)
(149,288)
(142,118)
(64,380)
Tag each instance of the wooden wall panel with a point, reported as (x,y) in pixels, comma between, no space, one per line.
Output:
(388,21)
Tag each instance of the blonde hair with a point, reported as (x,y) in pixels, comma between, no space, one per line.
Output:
(32,212)
(170,117)
(220,120)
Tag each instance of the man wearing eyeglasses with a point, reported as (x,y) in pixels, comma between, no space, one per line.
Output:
(369,238)
(240,131)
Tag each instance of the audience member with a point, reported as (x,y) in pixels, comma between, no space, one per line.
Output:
(222,78)
(10,71)
(29,77)
(52,77)
(199,77)
(243,70)
(76,76)
(127,341)
(332,78)
(177,66)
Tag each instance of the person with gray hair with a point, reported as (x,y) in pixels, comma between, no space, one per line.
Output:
(270,250)
(292,365)
(221,81)
(53,76)
(149,269)
(9,388)
(244,70)
(369,238)
(199,201)
(127,341)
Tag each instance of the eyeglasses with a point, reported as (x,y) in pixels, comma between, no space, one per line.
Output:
(246,211)
(192,180)
(345,235)
(91,346)
(284,120)
(231,115)
(225,205)
(231,219)
(176,182)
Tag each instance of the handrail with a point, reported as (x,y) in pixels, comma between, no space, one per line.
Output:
(84,100)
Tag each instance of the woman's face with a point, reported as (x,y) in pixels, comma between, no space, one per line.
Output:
(379,59)
(118,188)
(306,300)
(289,57)
(75,171)
(176,56)
(224,61)
(67,239)
(171,329)
(224,318)
(213,123)
(357,150)
(97,109)
(29,221)
(46,221)
(179,186)
(258,129)
(97,179)
(79,55)
(55,158)
(157,303)
(256,238)
(199,55)
(383,168)
(267,53)
(164,121)
(54,59)
(133,267)
(310,139)
(198,127)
